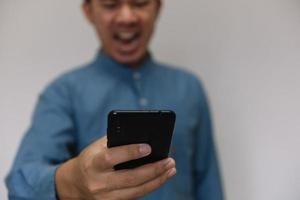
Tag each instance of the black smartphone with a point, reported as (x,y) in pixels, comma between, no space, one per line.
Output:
(154,127)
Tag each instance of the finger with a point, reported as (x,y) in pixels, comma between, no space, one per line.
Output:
(141,190)
(110,157)
(138,176)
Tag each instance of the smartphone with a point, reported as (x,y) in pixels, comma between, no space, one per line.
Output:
(154,127)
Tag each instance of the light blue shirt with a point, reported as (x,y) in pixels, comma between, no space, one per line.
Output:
(72,112)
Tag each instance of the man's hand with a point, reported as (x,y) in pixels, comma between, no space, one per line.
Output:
(91,174)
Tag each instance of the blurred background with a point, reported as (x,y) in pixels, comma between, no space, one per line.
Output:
(247,53)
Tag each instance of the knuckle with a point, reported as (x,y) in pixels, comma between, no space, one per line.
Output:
(162,180)
(107,159)
(96,188)
(130,180)
(98,185)
(85,167)
(158,169)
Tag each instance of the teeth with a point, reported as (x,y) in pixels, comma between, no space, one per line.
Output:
(126,35)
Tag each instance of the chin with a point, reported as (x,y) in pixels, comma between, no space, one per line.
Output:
(133,59)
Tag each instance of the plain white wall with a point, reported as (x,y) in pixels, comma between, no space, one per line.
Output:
(246,52)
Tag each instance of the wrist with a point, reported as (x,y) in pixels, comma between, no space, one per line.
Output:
(66,180)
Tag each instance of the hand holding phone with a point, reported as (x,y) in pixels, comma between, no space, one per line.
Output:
(90,175)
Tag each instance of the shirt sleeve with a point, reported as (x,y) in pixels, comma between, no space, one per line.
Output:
(208,180)
(48,143)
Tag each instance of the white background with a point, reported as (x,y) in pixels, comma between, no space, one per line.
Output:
(246,52)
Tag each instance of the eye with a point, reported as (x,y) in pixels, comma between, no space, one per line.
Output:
(140,3)
(109,4)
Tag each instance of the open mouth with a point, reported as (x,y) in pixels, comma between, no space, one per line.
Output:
(126,37)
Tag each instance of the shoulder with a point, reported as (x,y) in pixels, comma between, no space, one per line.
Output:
(74,77)
(77,74)
(68,81)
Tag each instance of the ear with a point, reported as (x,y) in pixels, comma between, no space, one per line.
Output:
(159,5)
(88,12)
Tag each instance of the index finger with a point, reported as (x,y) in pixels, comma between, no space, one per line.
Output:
(110,157)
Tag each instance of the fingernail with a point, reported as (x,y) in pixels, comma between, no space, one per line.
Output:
(170,164)
(171,172)
(144,149)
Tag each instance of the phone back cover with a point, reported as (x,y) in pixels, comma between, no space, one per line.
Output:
(134,127)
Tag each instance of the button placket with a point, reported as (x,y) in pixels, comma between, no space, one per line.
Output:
(136,76)
(137,81)
(143,101)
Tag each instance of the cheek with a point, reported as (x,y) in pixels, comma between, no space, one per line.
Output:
(103,26)
(149,27)
(148,22)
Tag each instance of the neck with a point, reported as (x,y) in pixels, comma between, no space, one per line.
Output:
(133,65)
(139,63)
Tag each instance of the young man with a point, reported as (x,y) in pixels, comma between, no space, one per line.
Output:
(62,157)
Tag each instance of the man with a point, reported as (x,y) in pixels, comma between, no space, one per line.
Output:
(62,157)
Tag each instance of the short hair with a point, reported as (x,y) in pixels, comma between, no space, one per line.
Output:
(87,1)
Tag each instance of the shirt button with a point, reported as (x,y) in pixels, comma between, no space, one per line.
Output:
(143,102)
(137,76)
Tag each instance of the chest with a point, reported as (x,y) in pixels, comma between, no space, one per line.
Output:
(93,106)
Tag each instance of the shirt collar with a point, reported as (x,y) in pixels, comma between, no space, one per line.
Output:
(108,64)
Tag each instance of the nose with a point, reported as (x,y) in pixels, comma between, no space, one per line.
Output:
(126,15)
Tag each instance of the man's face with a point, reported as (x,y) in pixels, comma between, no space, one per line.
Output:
(123,26)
